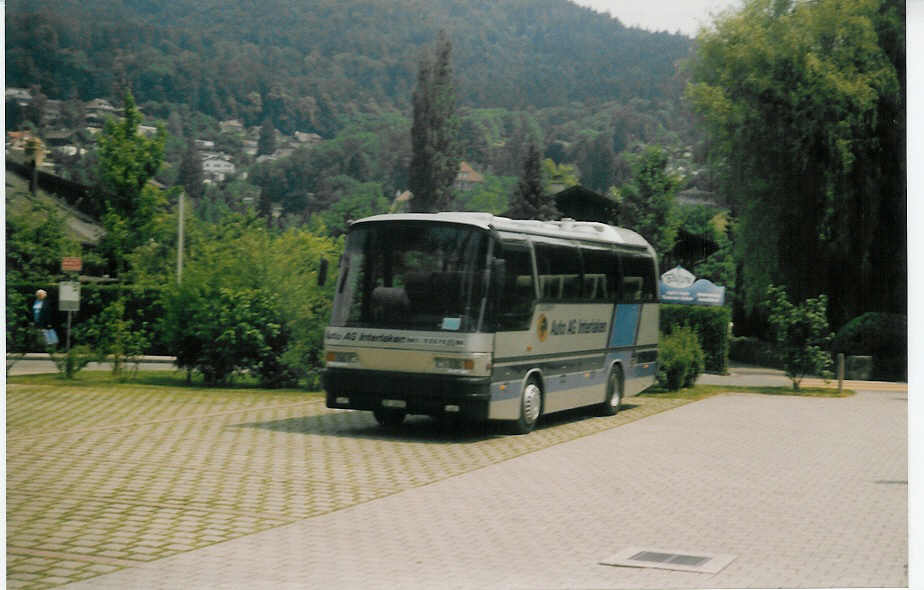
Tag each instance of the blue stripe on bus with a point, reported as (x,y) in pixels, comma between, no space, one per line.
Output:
(625,324)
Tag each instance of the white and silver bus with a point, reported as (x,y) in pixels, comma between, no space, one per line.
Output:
(490,318)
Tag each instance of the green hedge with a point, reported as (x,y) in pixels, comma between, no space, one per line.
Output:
(753,351)
(711,326)
(143,306)
(883,336)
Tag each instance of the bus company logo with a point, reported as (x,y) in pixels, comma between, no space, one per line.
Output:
(542,327)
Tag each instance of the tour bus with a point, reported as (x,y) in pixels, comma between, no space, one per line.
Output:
(489,318)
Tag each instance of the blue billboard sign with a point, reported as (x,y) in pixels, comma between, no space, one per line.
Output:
(678,285)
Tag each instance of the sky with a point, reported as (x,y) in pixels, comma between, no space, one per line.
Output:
(685,16)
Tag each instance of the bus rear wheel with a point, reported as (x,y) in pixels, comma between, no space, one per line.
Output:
(530,407)
(389,418)
(613,392)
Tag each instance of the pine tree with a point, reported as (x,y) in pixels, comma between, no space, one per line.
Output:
(434,133)
(530,200)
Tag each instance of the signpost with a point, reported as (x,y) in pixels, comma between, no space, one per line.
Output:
(69,292)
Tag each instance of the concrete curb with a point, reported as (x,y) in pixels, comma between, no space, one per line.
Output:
(44,356)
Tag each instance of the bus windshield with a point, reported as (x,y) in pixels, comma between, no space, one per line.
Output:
(413,276)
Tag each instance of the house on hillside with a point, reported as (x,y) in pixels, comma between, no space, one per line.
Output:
(58,138)
(231,126)
(308,138)
(217,169)
(147,130)
(402,202)
(695,196)
(467,179)
(22,96)
(18,140)
(52,111)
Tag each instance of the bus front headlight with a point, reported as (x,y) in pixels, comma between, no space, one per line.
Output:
(341,358)
(454,364)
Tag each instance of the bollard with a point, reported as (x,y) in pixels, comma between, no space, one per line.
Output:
(840,372)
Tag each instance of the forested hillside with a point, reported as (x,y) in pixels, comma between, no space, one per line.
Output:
(303,64)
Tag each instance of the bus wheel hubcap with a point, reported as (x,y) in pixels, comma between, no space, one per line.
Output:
(616,398)
(532,400)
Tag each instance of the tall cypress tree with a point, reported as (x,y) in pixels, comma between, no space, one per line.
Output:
(191,175)
(267,142)
(434,133)
(530,200)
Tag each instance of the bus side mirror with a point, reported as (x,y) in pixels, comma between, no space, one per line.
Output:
(322,272)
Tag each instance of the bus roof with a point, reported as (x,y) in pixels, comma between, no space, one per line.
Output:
(565,228)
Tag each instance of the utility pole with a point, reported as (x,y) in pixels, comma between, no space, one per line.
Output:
(179,247)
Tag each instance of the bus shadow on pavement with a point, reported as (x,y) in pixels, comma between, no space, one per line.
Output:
(363,425)
(358,424)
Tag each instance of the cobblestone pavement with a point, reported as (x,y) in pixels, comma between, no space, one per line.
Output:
(804,492)
(107,478)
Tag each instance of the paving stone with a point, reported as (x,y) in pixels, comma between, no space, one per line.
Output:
(231,464)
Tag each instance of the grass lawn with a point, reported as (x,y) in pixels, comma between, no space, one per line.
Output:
(172,379)
(177,379)
(698,392)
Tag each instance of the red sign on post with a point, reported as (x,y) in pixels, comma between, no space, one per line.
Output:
(71,263)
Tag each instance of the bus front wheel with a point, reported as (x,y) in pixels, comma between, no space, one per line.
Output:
(530,407)
(613,392)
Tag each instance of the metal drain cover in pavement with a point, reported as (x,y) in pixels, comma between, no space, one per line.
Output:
(704,563)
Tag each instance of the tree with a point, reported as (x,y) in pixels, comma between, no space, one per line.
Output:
(267,142)
(435,151)
(805,105)
(530,201)
(647,201)
(127,161)
(801,334)
(191,175)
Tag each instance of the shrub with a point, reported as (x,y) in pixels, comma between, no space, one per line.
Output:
(249,302)
(71,361)
(680,359)
(801,334)
(223,331)
(113,338)
(711,326)
(884,336)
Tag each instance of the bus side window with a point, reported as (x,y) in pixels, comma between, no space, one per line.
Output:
(518,293)
(560,271)
(639,284)
(601,271)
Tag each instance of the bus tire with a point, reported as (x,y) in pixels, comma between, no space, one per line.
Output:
(389,418)
(614,392)
(530,407)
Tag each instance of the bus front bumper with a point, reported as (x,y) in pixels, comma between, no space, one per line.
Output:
(359,389)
